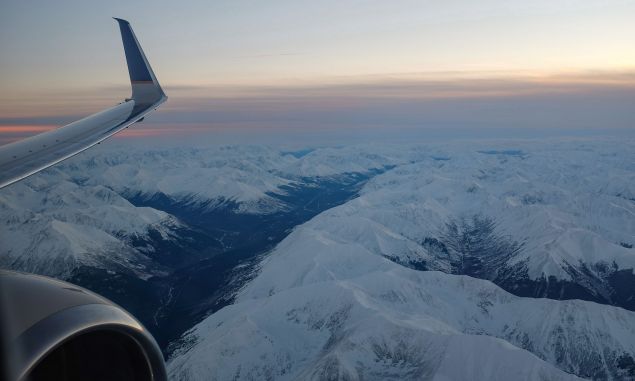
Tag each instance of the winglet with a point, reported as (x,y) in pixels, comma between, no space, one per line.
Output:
(28,156)
(145,87)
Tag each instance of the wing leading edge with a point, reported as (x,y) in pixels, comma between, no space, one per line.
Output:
(29,156)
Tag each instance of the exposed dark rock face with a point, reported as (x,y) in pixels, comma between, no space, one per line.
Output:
(475,246)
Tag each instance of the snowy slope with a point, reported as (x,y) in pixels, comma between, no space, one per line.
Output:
(342,330)
(329,304)
(52,227)
(340,295)
(331,161)
(198,177)
(562,216)
(208,177)
(76,213)
(570,203)
(320,306)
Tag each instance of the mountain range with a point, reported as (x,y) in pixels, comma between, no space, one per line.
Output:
(457,260)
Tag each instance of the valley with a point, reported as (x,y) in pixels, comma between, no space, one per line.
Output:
(337,261)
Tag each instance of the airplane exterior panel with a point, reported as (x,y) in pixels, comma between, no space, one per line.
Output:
(26,157)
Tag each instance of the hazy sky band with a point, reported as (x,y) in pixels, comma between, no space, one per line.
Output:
(590,100)
(306,64)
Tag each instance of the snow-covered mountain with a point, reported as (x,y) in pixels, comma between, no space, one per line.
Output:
(544,220)
(342,296)
(326,308)
(208,177)
(78,212)
(382,286)
(52,227)
(159,231)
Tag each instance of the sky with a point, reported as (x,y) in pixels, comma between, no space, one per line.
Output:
(325,67)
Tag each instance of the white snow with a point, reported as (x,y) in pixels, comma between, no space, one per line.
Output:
(327,304)
(53,227)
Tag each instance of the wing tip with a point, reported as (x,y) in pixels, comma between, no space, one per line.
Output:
(139,69)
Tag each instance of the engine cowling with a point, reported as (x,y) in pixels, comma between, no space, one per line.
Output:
(54,330)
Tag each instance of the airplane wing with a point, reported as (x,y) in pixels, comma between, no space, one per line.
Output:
(29,156)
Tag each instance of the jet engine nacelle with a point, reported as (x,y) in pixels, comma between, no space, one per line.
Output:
(53,330)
